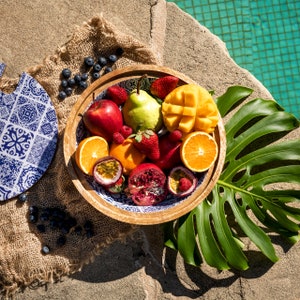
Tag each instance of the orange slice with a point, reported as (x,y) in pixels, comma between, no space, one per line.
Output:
(89,151)
(198,151)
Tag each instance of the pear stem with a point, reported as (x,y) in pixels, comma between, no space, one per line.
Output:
(139,83)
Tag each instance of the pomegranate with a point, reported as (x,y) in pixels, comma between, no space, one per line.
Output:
(147,185)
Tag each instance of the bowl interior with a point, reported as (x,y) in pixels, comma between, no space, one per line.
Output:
(119,206)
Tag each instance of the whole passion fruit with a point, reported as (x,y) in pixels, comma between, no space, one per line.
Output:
(107,171)
(181,181)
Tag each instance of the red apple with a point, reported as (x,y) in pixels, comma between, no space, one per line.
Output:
(103,118)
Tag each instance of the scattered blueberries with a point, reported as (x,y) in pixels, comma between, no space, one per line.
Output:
(89,61)
(102,61)
(62,95)
(68,91)
(94,66)
(22,197)
(57,219)
(84,76)
(45,249)
(97,67)
(95,75)
(64,83)
(71,82)
(113,58)
(66,73)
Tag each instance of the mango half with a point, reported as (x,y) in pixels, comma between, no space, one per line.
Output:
(188,108)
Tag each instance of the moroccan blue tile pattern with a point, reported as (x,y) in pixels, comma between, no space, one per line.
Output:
(28,136)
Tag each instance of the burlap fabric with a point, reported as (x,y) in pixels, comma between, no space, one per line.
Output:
(21,262)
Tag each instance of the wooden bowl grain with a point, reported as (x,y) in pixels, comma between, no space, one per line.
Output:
(143,216)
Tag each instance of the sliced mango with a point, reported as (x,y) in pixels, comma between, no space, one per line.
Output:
(188,108)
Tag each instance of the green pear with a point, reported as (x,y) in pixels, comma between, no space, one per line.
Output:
(141,111)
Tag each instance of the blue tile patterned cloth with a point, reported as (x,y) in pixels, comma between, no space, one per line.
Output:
(28,136)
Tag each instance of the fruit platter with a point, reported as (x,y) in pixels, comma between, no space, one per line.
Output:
(144,144)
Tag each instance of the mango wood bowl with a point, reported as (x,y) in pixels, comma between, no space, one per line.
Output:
(119,206)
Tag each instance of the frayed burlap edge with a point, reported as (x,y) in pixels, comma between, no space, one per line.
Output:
(37,269)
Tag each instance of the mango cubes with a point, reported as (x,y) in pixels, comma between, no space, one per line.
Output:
(188,108)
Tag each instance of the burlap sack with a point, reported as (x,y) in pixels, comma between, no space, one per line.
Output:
(21,261)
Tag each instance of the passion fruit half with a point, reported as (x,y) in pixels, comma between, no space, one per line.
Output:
(181,181)
(107,171)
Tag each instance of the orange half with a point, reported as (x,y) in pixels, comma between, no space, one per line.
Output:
(89,151)
(198,151)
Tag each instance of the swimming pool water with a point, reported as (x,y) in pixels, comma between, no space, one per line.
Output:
(262,36)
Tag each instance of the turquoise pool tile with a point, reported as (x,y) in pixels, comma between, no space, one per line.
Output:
(262,36)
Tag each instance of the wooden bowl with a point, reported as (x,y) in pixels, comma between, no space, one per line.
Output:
(118,206)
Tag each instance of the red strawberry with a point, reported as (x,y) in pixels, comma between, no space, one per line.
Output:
(117,94)
(147,142)
(161,87)
(169,152)
(126,131)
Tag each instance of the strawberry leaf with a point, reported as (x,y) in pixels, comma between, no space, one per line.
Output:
(245,200)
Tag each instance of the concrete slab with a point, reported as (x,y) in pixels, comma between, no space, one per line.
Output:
(141,268)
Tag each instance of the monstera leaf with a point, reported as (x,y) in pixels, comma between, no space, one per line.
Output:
(245,200)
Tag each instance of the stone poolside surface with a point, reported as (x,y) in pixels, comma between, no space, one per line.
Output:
(140,268)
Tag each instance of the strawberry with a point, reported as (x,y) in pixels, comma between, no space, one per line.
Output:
(147,142)
(169,149)
(117,94)
(161,87)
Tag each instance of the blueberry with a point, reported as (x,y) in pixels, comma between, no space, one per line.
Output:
(66,73)
(41,228)
(77,78)
(97,67)
(64,83)
(89,61)
(22,197)
(71,82)
(119,51)
(62,95)
(113,58)
(84,76)
(68,91)
(61,241)
(33,218)
(82,84)
(95,75)
(33,209)
(107,70)
(45,249)
(102,61)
